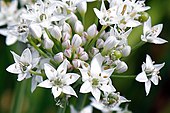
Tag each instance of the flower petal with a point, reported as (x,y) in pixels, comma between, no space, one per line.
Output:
(69,90)
(63,67)
(70,78)
(147,87)
(21,76)
(26,56)
(107,73)
(141,77)
(157,40)
(45,84)
(86,87)
(50,72)
(147,26)
(96,93)
(84,74)
(14,68)
(149,63)
(16,57)
(56,91)
(155,79)
(10,39)
(158,66)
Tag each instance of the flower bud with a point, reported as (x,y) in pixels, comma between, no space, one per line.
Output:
(121,66)
(144,17)
(84,56)
(110,43)
(67,53)
(66,44)
(76,41)
(56,32)
(72,20)
(92,31)
(78,27)
(117,54)
(35,30)
(48,43)
(66,36)
(82,7)
(94,51)
(99,43)
(126,51)
(79,50)
(66,28)
(59,57)
(76,63)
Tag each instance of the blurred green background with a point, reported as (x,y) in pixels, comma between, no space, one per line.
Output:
(41,101)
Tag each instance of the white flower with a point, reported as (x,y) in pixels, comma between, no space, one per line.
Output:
(87,109)
(59,80)
(149,73)
(150,34)
(23,64)
(96,78)
(110,102)
(35,81)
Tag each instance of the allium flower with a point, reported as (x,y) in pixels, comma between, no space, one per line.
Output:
(95,78)
(110,102)
(59,80)
(23,64)
(150,34)
(149,73)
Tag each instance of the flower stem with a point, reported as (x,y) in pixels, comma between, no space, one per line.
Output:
(83,101)
(123,76)
(36,73)
(138,45)
(19,98)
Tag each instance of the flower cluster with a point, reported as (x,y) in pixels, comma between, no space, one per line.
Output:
(62,53)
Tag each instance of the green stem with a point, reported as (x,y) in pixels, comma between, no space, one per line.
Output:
(89,45)
(64,108)
(123,76)
(36,47)
(19,98)
(36,73)
(83,101)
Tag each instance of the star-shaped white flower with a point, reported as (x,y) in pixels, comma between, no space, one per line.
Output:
(150,34)
(149,73)
(23,64)
(59,80)
(96,78)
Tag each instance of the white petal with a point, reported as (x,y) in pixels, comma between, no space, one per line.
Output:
(63,67)
(21,76)
(147,87)
(26,56)
(107,73)
(149,63)
(147,26)
(96,93)
(45,84)
(141,77)
(87,109)
(98,13)
(72,109)
(155,79)
(84,74)
(158,29)
(157,40)
(69,90)
(14,68)
(10,39)
(35,62)
(96,64)
(86,87)
(4,32)
(50,72)
(132,23)
(56,91)
(16,57)
(107,88)
(159,66)
(70,78)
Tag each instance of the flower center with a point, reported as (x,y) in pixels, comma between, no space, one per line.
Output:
(58,82)
(95,82)
(43,17)
(23,66)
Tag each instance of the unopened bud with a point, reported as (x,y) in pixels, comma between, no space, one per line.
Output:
(35,30)
(110,43)
(99,43)
(59,57)
(84,56)
(118,54)
(82,8)
(79,50)
(121,66)
(92,31)
(144,17)
(67,53)
(66,44)
(48,43)
(66,28)
(56,32)
(78,27)
(126,51)
(94,51)
(76,41)
(72,20)
(76,63)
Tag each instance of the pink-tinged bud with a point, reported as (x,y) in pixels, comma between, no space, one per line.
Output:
(82,8)
(67,28)
(59,57)
(79,50)
(99,43)
(84,56)
(35,30)
(72,20)
(78,27)
(56,32)
(76,41)
(67,53)
(66,36)
(92,31)
(121,66)
(76,63)
(94,51)
(48,43)
(66,44)
(110,43)
(126,51)
(84,38)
